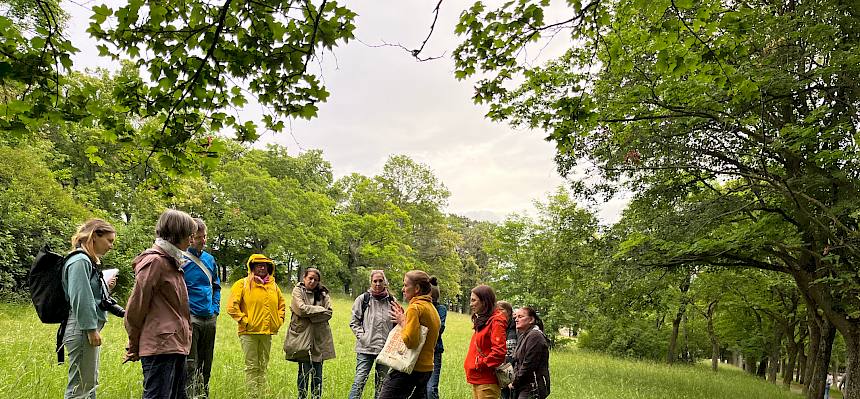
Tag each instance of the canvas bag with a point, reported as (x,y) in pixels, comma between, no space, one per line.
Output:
(396,355)
(504,372)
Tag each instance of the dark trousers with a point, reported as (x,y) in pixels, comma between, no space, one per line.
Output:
(163,376)
(400,385)
(310,373)
(199,363)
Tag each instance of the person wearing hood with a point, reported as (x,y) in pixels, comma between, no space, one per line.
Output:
(371,323)
(420,312)
(488,347)
(158,317)
(309,341)
(258,305)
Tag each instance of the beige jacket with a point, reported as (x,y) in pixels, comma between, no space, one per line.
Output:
(309,336)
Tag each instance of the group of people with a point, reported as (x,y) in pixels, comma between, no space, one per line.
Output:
(171,316)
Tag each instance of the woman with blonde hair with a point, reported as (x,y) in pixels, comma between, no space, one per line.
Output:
(85,288)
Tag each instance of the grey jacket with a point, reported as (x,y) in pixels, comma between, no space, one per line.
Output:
(371,329)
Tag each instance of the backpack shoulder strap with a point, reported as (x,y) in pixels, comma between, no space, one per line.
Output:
(365,302)
(197,261)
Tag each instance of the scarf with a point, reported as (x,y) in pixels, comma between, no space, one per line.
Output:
(261,281)
(381,295)
(171,250)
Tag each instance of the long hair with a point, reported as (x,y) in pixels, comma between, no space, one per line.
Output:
(487,297)
(534,315)
(85,233)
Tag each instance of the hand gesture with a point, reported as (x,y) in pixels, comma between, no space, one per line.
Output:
(397,314)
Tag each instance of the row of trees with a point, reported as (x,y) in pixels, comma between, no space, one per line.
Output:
(254,200)
(735,125)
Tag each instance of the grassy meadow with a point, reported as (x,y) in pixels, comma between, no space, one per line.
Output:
(27,364)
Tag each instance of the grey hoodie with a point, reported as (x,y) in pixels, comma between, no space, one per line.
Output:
(371,331)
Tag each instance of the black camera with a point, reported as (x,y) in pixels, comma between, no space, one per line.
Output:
(111,306)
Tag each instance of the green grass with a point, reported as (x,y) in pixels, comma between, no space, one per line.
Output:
(27,368)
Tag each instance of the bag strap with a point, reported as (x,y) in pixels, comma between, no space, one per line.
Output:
(200,264)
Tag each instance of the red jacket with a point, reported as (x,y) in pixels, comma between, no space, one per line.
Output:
(481,364)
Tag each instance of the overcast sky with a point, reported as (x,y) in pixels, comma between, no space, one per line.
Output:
(383,102)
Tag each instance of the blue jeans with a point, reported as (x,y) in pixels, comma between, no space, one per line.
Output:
(363,364)
(310,373)
(163,376)
(433,384)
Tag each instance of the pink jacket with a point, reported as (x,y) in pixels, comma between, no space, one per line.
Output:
(157,318)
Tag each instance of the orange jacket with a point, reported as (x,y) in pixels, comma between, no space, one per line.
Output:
(487,351)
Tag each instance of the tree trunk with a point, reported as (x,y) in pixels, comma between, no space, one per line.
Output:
(813,348)
(762,367)
(788,372)
(801,364)
(673,339)
(821,362)
(852,367)
(749,365)
(712,336)
(775,349)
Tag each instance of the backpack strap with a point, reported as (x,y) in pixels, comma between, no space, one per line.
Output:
(365,302)
(197,261)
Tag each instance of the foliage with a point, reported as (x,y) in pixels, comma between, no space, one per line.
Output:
(35,211)
(740,118)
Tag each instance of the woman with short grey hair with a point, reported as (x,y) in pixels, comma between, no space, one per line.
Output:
(158,318)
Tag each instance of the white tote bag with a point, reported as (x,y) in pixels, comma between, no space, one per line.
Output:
(396,355)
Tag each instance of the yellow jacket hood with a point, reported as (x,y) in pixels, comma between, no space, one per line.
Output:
(258,258)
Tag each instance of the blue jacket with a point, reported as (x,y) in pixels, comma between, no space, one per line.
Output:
(203,299)
(443,312)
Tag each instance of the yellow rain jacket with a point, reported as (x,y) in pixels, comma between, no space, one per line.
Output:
(258,308)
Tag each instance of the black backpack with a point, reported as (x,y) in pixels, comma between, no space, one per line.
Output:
(45,282)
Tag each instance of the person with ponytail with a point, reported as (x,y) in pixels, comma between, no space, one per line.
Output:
(487,347)
(85,288)
(419,312)
(433,385)
(531,372)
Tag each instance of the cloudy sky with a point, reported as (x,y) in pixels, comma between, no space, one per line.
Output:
(383,102)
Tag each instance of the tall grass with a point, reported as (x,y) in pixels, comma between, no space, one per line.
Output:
(28,369)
